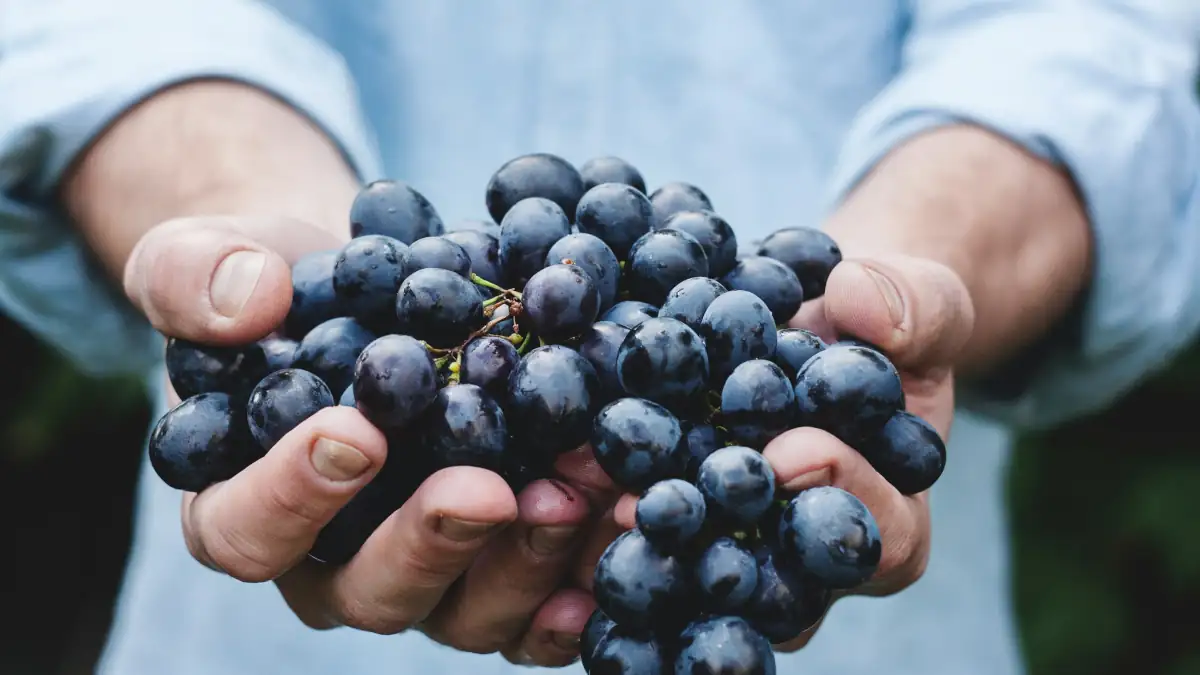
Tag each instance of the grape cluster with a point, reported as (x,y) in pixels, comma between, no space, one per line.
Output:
(583,311)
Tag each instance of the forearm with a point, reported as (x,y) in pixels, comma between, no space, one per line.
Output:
(205,147)
(1009,223)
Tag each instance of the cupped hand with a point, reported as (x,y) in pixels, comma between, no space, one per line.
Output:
(464,560)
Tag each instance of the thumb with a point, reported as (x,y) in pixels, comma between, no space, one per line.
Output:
(916,310)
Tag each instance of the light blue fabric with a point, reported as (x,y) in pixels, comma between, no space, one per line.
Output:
(775,108)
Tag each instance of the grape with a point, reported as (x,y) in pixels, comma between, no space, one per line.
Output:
(560,302)
(594,257)
(794,348)
(638,443)
(465,427)
(366,275)
(595,631)
(689,300)
(439,307)
(725,645)
(330,350)
(772,281)
(201,441)
(282,401)
(617,214)
(506,326)
(622,654)
(279,352)
(487,363)
(658,261)
(531,227)
(641,588)
(313,299)
(757,403)
(475,225)
(552,397)
(393,209)
(737,327)
(483,252)
(851,392)
(808,252)
(738,484)
(599,345)
(907,452)
(784,604)
(539,175)
(664,361)
(702,440)
(714,234)
(610,170)
(202,369)
(670,514)
(630,313)
(439,253)
(727,575)
(831,536)
(672,198)
(394,381)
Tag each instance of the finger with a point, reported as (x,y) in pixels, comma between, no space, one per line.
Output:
(580,468)
(406,566)
(807,457)
(625,511)
(491,606)
(602,533)
(218,280)
(553,638)
(264,520)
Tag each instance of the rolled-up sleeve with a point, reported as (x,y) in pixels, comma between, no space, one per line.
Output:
(68,69)
(1107,90)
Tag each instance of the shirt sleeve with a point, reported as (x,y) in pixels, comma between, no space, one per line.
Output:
(68,69)
(1106,89)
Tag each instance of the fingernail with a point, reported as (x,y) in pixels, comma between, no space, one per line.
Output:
(338,461)
(819,478)
(235,280)
(463,530)
(566,641)
(550,539)
(891,295)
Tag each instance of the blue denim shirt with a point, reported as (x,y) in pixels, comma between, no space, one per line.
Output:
(775,108)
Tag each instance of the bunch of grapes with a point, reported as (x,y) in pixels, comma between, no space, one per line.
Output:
(591,313)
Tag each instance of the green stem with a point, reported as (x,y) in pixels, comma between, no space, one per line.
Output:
(525,342)
(494,301)
(487,284)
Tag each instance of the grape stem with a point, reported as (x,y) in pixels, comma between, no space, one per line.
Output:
(489,285)
(526,341)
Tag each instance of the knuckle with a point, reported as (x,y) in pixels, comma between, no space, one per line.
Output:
(373,618)
(290,506)
(241,557)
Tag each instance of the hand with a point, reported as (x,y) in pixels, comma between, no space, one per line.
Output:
(466,561)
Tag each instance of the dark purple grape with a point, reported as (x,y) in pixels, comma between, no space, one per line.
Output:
(366,276)
(689,300)
(672,198)
(194,368)
(438,253)
(553,394)
(330,350)
(559,302)
(724,645)
(282,401)
(394,381)
(594,257)
(611,170)
(617,214)
(794,348)
(659,261)
(439,307)
(313,299)
(784,604)
(279,352)
(487,362)
(757,403)
(851,392)
(597,628)
(908,452)
(670,513)
(808,252)
(505,325)
(539,175)
(531,227)
(828,534)
(629,654)
(737,327)
(713,233)
(738,483)
(483,251)
(630,313)
(640,587)
(475,225)
(518,473)
(772,281)
(465,427)
(727,574)
(664,361)
(201,441)
(599,345)
(393,209)
(702,440)
(638,443)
